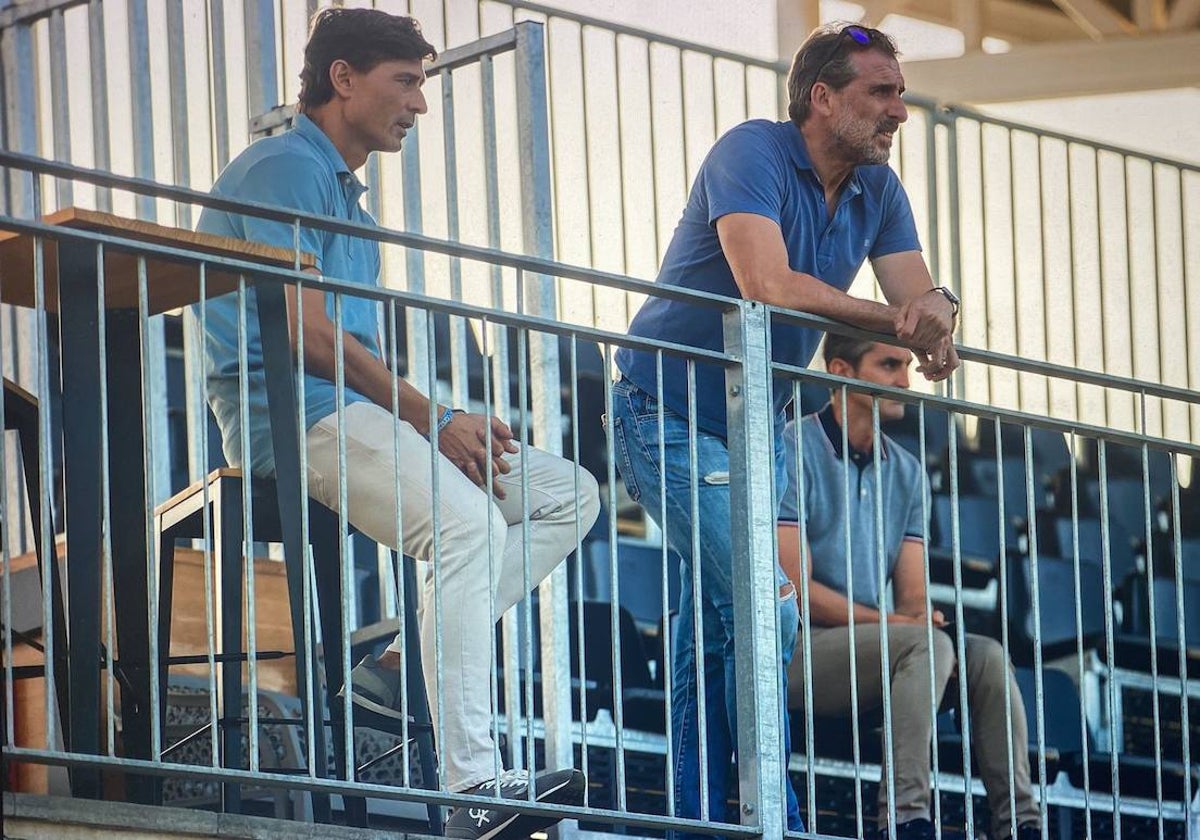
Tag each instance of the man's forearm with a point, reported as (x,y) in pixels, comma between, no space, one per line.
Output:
(830,608)
(806,293)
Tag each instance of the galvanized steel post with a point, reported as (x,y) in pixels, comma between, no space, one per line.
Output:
(751,473)
(541,299)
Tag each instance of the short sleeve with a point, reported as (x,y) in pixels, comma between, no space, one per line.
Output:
(743,173)
(897,229)
(788,509)
(285,182)
(916,527)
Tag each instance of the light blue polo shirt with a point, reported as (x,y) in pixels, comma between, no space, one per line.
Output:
(826,511)
(299,169)
(761,167)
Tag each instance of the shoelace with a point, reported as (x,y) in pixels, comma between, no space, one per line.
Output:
(508,778)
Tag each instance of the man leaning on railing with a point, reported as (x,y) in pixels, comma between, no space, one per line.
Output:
(840,561)
(783,213)
(361,91)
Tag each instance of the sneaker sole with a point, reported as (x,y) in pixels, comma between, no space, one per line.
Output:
(517,826)
(377,708)
(568,792)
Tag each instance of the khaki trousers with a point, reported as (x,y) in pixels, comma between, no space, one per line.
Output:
(912,726)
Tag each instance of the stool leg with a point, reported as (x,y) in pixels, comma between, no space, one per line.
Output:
(418,701)
(166,579)
(227,525)
(306,667)
(327,562)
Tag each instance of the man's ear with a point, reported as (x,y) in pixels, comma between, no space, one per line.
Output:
(840,367)
(341,77)
(818,98)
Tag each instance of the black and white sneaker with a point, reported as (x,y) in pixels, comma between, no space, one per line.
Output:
(558,787)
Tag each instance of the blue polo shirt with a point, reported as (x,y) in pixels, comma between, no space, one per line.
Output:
(299,169)
(761,167)
(826,512)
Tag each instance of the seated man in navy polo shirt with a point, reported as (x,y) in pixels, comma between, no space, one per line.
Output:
(784,213)
(842,502)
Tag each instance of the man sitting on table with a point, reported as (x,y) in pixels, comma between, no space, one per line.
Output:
(361,92)
(840,512)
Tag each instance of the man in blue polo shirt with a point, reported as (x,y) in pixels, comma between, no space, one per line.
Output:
(834,479)
(361,92)
(784,213)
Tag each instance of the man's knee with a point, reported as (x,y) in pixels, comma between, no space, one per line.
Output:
(587,499)
(986,661)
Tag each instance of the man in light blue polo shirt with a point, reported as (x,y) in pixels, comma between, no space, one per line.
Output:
(361,92)
(833,478)
(784,213)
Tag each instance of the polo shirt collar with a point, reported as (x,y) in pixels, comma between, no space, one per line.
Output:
(310,131)
(802,161)
(833,431)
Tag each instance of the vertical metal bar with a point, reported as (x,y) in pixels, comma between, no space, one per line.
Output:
(614,588)
(1002,516)
(345,554)
(668,653)
(955,209)
(960,636)
(247,533)
(435,491)
(885,669)
(109,596)
(1083,728)
(1110,655)
(934,234)
(207,556)
(399,572)
(419,328)
(60,104)
(98,73)
(20,118)
(1184,695)
(805,560)
(218,75)
(151,559)
(45,525)
(1015,256)
(177,76)
(1038,663)
(537,225)
(755,593)
(855,727)
(7,514)
(1101,273)
(489,478)
(579,560)
(262,78)
(496,397)
(984,278)
(526,610)
(934,693)
(653,157)
(697,590)
(1147,513)
(616,50)
(458,327)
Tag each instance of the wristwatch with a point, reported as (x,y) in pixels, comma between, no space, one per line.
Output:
(948,295)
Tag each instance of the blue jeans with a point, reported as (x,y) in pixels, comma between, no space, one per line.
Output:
(635,430)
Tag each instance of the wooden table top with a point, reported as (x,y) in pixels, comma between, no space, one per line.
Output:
(170,284)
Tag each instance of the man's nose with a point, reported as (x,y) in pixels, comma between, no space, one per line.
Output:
(422,107)
(902,378)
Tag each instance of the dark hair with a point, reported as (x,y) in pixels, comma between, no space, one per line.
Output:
(850,350)
(362,38)
(826,53)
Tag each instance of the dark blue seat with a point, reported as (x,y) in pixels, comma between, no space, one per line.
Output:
(1060,633)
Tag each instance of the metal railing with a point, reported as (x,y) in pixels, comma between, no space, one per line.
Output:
(1102,655)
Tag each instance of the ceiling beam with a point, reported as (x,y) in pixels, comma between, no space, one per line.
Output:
(1096,18)
(1045,71)
(1012,20)
(1185,14)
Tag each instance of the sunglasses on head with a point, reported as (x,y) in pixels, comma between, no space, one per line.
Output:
(859,34)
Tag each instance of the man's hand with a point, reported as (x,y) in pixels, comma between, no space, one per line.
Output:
(938,362)
(936,617)
(925,320)
(467,441)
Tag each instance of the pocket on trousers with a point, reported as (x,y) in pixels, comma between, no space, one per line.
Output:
(624,465)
